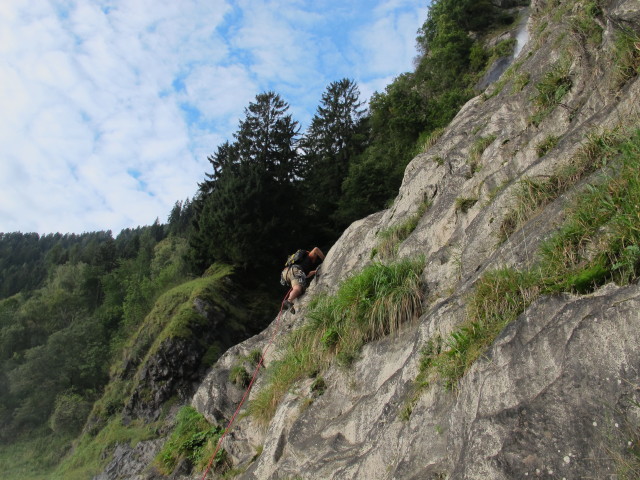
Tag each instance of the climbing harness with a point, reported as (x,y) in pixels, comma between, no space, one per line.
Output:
(246,393)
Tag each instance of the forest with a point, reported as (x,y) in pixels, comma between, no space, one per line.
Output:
(70,302)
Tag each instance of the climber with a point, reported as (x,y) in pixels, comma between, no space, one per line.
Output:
(300,267)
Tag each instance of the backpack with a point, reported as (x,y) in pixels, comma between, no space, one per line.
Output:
(293,259)
(296,258)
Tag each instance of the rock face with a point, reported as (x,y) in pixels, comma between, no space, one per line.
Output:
(173,369)
(553,394)
(556,395)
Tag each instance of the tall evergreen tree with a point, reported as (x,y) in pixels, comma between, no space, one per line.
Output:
(248,210)
(336,136)
(267,137)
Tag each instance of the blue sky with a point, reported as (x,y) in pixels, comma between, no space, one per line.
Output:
(110,107)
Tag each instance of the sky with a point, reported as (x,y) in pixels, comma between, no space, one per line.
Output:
(109,108)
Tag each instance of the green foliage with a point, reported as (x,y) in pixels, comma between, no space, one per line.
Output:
(70,413)
(600,238)
(420,103)
(553,87)
(511,74)
(175,315)
(367,306)
(336,136)
(428,139)
(190,439)
(33,457)
(463,204)
(626,57)
(249,204)
(585,23)
(238,373)
(427,356)
(480,144)
(547,144)
(239,376)
(499,297)
(92,453)
(392,237)
(520,81)
(505,48)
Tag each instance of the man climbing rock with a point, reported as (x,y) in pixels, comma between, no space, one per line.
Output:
(299,268)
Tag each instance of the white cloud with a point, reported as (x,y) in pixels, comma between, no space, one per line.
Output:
(110,107)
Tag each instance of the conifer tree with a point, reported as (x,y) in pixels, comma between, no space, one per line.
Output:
(248,209)
(336,136)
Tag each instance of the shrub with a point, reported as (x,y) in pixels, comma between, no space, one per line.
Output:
(70,413)
(189,440)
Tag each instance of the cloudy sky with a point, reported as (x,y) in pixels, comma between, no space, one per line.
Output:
(109,108)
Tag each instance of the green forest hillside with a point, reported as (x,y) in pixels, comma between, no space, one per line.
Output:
(83,316)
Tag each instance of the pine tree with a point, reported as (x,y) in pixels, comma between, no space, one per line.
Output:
(335,137)
(248,210)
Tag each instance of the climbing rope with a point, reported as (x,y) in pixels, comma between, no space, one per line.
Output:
(246,393)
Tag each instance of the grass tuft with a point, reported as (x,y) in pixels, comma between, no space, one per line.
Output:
(392,237)
(546,145)
(553,87)
(626,57)
(428,140)
(477,149)
(463,204)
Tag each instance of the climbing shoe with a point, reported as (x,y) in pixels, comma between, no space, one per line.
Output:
(287,305)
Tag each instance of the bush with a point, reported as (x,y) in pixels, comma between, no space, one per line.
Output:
(69,414)
(191,439)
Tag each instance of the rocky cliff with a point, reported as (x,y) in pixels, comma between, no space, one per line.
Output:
(556,394)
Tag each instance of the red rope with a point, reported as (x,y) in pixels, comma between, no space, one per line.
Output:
(246,393)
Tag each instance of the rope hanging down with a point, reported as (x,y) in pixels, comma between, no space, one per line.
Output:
(246,393)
